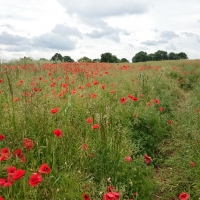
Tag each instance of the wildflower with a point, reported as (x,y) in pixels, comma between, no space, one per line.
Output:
(15,99)
(18,153)
(94,96)
(147,159)
(28,143)
(170,122)
(2,137)
(11,170)
(89,120)
(18,174)
(123,100)
(161,109)
(35,179)
(1,198)
(4,154)
(156,101)
(109,180)
(103,86)
(95,82)
(128,159)
(95,126)
(57,133)
(111,194)
(54,110)
(45,169)
(192,164)
(86,197)
(84,147)
(184,196)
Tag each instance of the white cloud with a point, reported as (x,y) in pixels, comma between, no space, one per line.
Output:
(89,28)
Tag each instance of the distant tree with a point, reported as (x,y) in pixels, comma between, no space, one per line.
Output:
(27,58)
(124,60)
(97,60)
(67,59)
(106,57)
(84,59)
(182,55)
(150,57)
(57,57)
(114,59)
(173,56)
(140,57)
(43,59)
(160,55)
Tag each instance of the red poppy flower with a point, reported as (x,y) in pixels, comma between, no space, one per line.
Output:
(1,198)
(170,122)
(15,99)
(86,197)
(11,170)
(84,146)
(55,110)
(147,159)
(156,101)
(95,82)
(89,120)
(18,153)
(2,182)
(45,169)
(103,86)
(18,174)
(128,159)
(95,126)
(28,143)
(161,109)
(184,196)
(192,164)
(123,100)
(57,133)
(4,154)
(111,194)
(35,179)
(2,137)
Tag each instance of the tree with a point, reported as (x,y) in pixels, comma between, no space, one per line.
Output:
(114,59)
(106,57)
(84,59)
(43,59)
(97,60)
(124,60)
(173,56)
(57,57)
(161,55)
(140,57)
(182,55)
(67,59)
(150,57)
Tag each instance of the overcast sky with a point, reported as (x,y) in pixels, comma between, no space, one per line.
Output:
(77,28)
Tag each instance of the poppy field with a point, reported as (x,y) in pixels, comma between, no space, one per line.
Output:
(100,131)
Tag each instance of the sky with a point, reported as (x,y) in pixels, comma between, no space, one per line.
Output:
(77,28)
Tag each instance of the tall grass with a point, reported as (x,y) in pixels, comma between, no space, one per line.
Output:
(136,110)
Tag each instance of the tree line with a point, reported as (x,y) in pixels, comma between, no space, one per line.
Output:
(110,58)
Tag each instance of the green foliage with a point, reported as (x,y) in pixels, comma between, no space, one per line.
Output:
(124,60)
(158,56)
(67,59)
(140,57)
(87,160)
(57,57)
(84,59)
